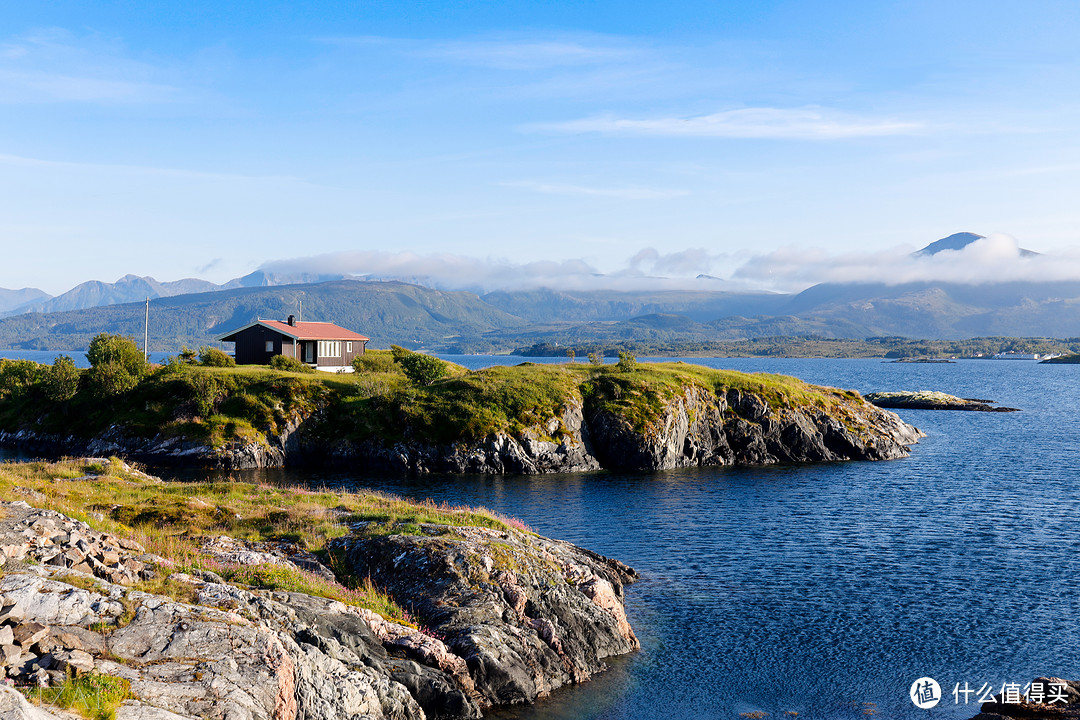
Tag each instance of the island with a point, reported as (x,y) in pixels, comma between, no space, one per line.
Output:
(407,412)
(933,400)
(124,596)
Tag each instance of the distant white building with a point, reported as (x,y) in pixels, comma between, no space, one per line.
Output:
(1017,356)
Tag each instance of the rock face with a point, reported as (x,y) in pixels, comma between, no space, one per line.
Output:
(694,427)
(508,616)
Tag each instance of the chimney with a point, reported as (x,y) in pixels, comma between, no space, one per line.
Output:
(292,320)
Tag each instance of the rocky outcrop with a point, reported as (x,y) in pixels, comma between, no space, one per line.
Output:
(527,614)
(740,428)
(696,427)
(933,400)
(507,616)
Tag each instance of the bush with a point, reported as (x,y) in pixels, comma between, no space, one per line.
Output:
(289,364)
(19,377)
(118,350)
(207,392)
(596,358)
(213,357)
(373,363)
(187,356)
(420,368)
(627,362)
(110,379)
(62,379)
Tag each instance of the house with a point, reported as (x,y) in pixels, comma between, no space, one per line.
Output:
(322,345)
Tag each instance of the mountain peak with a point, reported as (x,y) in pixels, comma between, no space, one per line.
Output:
(959,241)
(956,241)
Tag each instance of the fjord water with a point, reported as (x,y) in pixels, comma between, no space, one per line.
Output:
(827,590)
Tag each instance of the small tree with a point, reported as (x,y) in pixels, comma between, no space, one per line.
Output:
(187,356)
(627,362)
(213,357)
(62,379)
(596,358)
(116,364)
(420,368)
(570,355)
(106,348)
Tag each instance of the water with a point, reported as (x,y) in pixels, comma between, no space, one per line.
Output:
(79,356)
(828,589)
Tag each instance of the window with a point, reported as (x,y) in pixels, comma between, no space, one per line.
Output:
(269,346)
(348,347)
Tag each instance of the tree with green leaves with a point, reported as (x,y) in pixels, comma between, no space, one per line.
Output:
(116,364)
(62,379)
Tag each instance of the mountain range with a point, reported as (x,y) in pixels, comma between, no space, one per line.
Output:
(194,311)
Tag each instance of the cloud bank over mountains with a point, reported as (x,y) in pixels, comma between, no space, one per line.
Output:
(995,258)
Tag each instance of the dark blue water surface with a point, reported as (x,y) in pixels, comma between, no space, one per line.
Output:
(827,589)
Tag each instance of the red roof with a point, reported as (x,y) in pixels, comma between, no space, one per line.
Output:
(313,330)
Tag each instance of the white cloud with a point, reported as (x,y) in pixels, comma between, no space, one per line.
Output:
(623,193)
(808,123)
(995,258)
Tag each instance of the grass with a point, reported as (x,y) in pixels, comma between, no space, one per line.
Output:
(93,696)
(171,518)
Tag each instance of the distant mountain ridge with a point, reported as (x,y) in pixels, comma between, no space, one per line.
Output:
(12,300)
(396,312)
(133,288)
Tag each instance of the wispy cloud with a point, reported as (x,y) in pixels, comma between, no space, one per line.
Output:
(457,272)
(808,123)
(534,54)
(622,193)
(55,65)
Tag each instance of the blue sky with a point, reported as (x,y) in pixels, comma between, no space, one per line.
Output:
(208,139)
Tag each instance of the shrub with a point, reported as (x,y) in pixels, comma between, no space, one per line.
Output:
(213,357)
(289,364)
(61,379)
(110,379)
(420,368)
(627,362)
(187,356)
(374,362)
(118,350)
(207,392)
(596,358)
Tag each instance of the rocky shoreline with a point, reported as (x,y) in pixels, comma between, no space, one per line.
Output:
(503,616)
(694,428)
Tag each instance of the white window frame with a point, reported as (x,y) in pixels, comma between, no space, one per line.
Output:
(348,346)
